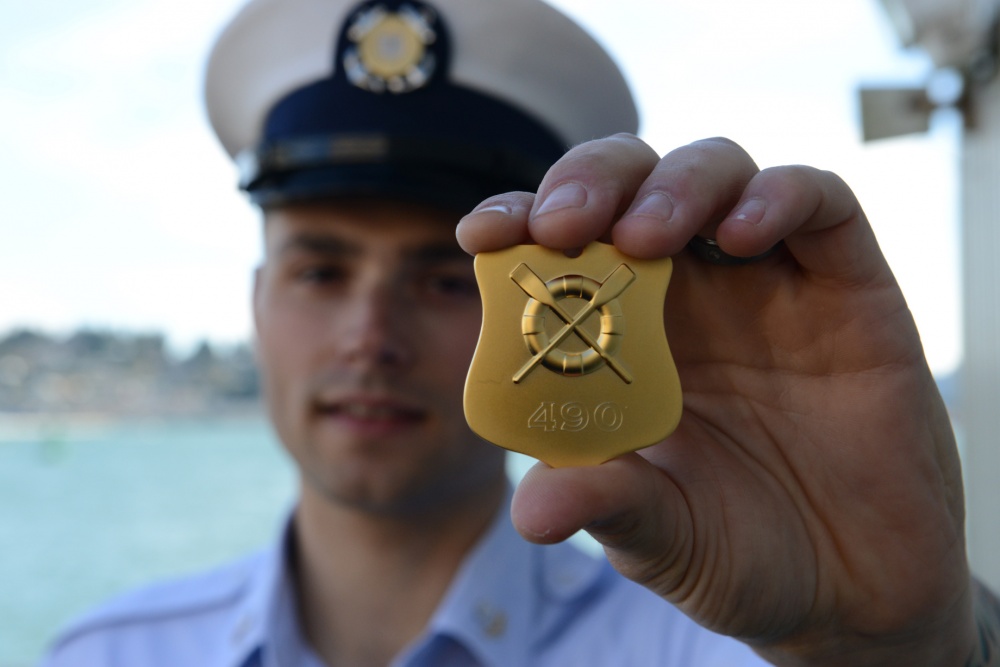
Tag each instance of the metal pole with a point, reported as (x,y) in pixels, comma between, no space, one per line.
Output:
(980,375)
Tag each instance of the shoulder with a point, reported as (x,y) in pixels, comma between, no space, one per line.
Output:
(192,611)
(181,596)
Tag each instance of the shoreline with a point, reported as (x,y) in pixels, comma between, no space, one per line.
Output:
(34,427)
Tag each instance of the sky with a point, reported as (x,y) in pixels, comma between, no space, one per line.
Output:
(119,209)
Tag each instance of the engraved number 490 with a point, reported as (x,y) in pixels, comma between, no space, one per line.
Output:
(575,417)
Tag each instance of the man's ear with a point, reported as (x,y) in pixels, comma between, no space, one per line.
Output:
(256,295)
(255,309)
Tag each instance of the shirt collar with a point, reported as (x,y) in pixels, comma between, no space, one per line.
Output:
(493,608)
(265,631)
(495,603)
(487,607)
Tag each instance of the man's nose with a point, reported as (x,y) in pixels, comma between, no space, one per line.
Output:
(373,329)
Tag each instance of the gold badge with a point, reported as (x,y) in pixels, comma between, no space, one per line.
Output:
(572,365)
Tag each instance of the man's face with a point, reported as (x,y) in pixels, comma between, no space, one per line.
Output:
(367,316)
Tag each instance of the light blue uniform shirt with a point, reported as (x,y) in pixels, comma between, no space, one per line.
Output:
(512,604)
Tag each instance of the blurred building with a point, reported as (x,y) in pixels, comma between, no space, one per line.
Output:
(121,375)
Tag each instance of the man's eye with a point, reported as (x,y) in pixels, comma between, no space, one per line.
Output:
(320,275)
(453,285)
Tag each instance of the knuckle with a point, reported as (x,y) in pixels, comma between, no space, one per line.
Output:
(610,150)
(721,142)
(793,179)
(627,138)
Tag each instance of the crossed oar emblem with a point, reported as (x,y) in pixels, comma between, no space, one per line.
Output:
(610,289)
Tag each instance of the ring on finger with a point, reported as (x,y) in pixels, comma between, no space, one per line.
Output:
(709,251)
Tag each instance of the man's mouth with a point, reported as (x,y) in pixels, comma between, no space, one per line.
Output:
(370,412)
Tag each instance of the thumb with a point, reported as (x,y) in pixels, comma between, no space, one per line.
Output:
(629,506)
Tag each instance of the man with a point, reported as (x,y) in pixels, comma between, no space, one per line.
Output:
(809,503)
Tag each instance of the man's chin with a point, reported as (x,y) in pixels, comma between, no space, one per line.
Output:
(379,488)
(395,491)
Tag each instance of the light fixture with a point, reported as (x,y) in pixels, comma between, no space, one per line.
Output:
(961,37)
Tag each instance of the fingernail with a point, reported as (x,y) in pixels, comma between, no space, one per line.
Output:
(655,204)
(496,208)
(567,195)
(751,212)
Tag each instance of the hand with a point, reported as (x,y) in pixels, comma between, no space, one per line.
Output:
(810,502)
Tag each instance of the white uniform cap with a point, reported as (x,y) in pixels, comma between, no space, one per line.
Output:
(414,80)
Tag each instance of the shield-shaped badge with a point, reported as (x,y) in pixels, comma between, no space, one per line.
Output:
(572,365)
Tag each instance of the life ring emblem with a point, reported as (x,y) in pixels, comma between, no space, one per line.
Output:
(578,362)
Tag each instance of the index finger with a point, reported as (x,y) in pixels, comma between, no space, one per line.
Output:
(578,200)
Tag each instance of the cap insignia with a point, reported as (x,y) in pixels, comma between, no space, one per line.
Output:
(388,50)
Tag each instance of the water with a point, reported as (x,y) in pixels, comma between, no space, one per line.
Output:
(93,508)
